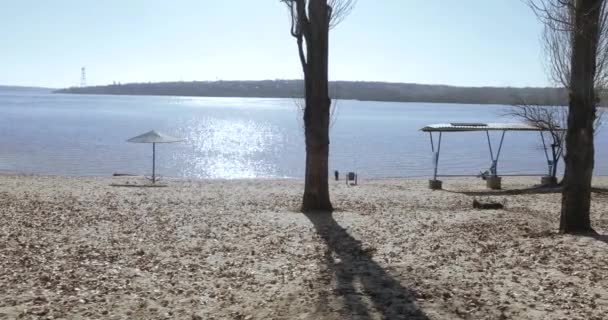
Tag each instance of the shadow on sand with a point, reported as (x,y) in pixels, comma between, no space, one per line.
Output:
(138,185)
(599,237)
(510,192)
(366,289)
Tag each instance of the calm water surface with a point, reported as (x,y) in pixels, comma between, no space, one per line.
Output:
(246,138)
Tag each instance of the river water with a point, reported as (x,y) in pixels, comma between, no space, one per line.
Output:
(247,138)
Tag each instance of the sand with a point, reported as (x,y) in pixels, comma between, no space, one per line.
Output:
(79,248)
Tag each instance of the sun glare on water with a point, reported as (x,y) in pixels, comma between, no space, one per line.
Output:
(218,148)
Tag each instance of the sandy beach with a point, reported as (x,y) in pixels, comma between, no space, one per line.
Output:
(79,248)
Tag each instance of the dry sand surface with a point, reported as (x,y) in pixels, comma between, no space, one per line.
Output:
(78,248)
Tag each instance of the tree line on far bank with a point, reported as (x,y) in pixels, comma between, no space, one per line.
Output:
(351,90)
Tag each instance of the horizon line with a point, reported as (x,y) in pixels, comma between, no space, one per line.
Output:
(260,80)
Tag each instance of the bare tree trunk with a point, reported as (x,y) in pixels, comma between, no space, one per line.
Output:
(317,110)
(576,197)
(313,26)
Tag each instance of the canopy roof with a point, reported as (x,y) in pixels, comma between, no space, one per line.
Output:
(154,137)
(476,126)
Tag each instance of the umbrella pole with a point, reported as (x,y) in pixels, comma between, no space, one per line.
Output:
(153,162)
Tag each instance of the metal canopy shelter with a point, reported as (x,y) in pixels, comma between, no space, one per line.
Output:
(154,137)
(473,126)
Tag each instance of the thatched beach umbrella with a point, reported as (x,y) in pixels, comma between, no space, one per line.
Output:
(154,137)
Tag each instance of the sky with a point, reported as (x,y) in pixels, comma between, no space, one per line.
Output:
(465,42)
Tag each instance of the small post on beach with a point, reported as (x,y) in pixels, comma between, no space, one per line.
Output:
(153,162)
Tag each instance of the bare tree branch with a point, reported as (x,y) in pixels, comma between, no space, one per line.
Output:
(338,10)
(598,123)
(300,25)
(333,109)
(550,12)
(550,119)
(300,104)
(558,19)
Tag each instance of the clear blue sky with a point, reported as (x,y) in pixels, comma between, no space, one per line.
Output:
(466,42)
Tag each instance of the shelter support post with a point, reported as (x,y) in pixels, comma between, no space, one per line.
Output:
(550,178)
(550,163)
(493,181)
(494,164)
(435,184)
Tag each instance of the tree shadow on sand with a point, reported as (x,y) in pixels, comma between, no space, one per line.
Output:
(599,237)
(366,289)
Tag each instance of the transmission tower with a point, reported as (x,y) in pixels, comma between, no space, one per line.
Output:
(83,77)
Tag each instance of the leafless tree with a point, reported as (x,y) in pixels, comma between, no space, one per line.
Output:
(311,21)
(557,38)
(552,120)
(576,25)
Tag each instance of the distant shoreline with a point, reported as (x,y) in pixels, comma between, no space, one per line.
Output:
(26,88)
(342,90)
